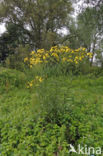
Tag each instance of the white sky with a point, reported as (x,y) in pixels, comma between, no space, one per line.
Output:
(2,28)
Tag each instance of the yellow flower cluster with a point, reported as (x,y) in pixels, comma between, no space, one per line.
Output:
(58,54)
(35,82)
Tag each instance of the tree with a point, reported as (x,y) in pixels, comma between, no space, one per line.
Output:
(11,39)
(86,31)
(89,23)
(40,18)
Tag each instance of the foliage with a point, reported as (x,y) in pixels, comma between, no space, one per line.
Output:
(42,17)
(60,111)
(15,61)
(11,40)
(10,79)
(87,29)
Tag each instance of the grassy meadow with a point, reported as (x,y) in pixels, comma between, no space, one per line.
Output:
(45,119)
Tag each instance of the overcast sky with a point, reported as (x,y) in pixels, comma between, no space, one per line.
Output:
(2,28)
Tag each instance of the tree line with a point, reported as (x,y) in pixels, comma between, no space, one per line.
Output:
(37,24)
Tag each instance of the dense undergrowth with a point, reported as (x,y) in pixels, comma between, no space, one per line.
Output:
(44,119)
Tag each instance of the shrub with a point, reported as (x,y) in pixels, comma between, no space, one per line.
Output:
(15,61)
(11,78)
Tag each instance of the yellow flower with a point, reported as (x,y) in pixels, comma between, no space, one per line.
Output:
(40,51)
(31,66)
(32,60)
(76,58)
(30,84)
(44,57)
(67,50)
(64,59)
(55,55)
(40,79)
(37,77)
(76,62)
(77,50)
(25,59)
(84,49)
(80,58)
(90,54)
(47,55)
(63,50)
(33,52)
(38,60)
(70,60)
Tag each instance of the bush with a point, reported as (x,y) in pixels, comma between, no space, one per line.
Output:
(16,61)
(11,78)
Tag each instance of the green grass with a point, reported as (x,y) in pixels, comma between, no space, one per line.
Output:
(44,120)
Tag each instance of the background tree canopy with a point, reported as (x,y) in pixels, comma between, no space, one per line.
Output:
(40,18)
(38,23)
